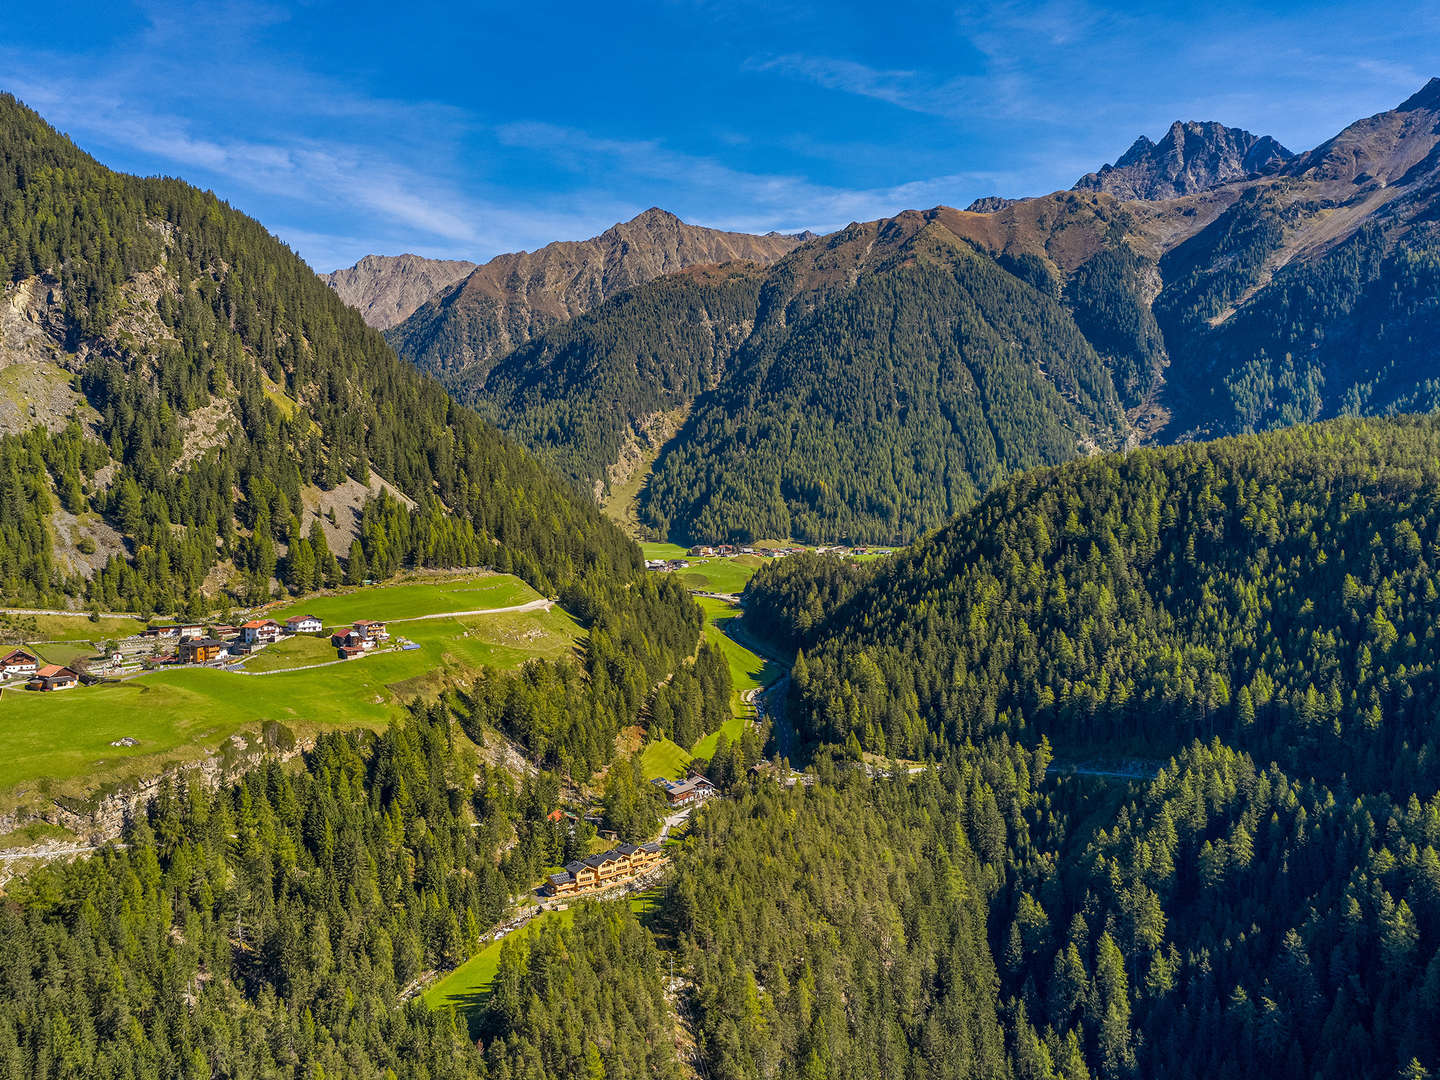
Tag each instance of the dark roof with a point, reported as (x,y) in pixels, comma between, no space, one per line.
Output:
(574,867)
(561,878)
(651,847)
(195,643)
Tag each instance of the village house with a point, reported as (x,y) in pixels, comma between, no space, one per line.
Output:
(617,866)
(303,624)
(201,650)
(54,677)
(190,631)
(695,789)
(260,631)
(18,664)
(349,652)
(371,630)
(224,631)
(352,639)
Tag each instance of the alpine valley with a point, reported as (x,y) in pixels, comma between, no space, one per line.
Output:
(365,714)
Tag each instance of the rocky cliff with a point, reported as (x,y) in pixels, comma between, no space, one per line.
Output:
(1191,157)
(385,289)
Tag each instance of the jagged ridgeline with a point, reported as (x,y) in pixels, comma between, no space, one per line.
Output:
(1278,591)
(197,381)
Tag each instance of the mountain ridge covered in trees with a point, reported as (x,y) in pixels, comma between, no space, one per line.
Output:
(214,379)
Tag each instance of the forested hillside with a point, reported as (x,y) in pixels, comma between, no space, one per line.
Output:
(896,371)
(585,395)
(269,930)
(1278,591)
(1210,608)
(209,381)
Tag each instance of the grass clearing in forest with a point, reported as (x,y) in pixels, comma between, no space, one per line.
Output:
(467,988)
(748,671)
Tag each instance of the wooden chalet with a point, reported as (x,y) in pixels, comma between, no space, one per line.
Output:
(18,664)
(686,792)
(617,866)
(54,677)
(201,650)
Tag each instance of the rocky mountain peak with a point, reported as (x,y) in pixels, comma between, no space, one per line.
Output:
(1427,97)
(1191,157)
(386,289)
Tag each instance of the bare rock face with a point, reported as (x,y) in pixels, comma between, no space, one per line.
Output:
(513,298)
(990,204)
(1192,157)
(385,289)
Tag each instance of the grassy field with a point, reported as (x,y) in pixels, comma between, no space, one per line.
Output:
(412,598)
(182,713)
(290,652)
(722,575)
(709,575)
(467,987)
(67,627)
(748,671)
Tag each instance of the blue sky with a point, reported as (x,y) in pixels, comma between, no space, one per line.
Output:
(457,130)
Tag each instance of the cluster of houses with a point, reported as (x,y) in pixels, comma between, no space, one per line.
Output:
(23,664)
(197,644)
(618,866)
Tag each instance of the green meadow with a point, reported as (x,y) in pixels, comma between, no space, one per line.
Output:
(467,987)
(59,743)
(748,671)
(412,598)
(709,575)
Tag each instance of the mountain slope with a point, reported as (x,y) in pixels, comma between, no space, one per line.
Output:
(1277,590)
(587,396)
(386,289)
(207,385)
(1191,157)
(1315,292)
(895,371)
(512,298)
(1276,289)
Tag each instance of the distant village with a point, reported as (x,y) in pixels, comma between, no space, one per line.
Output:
(730,551)
(189,645)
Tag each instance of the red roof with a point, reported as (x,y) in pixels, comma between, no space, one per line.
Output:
(51,671)
(256,624)
(13,653)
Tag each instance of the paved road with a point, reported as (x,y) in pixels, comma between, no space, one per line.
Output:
(534,605)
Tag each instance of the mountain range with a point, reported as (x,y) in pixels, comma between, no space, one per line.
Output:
(501,305)
(1208,283)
